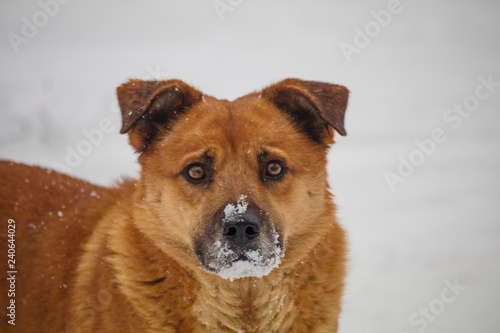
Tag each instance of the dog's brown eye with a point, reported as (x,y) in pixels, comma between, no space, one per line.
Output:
(274,169)
(195,172)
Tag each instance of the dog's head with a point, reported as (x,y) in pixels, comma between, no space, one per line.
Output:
(233,185)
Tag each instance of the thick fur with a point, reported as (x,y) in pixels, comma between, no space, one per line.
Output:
(122,259)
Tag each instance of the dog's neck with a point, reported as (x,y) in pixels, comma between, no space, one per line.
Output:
(245,304)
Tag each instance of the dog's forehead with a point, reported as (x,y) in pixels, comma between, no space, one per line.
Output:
(248,121)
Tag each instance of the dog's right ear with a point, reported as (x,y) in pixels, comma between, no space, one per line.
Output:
(149,107)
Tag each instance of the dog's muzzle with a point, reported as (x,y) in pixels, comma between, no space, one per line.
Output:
(242,242)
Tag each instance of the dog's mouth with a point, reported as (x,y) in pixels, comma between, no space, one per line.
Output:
(232,262)
(242,244)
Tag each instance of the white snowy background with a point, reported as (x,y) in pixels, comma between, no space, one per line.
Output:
(441,224)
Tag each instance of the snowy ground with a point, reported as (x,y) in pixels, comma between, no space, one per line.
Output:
(440,226)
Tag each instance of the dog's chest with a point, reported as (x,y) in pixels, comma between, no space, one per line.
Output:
(250,306)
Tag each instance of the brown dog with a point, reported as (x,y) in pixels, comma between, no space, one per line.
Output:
(230,227)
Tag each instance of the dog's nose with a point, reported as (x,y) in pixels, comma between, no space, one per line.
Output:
(243,229)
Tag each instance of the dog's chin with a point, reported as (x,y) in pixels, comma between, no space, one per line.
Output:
(231,264)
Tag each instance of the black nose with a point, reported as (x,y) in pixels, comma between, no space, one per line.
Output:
(245,228)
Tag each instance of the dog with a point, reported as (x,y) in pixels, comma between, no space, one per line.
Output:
(230,227)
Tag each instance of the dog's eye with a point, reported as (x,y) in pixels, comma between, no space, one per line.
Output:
(195,173)
(275,170)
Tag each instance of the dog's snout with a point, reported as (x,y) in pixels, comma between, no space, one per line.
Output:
(243,229)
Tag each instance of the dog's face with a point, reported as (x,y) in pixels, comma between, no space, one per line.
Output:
(232,184)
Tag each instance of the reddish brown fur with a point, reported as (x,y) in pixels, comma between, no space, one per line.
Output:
(121,259)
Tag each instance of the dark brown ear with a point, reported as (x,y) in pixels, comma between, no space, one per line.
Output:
(149,107)
(315,107)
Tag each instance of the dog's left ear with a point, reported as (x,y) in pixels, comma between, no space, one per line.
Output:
(315,107)
(149,107)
